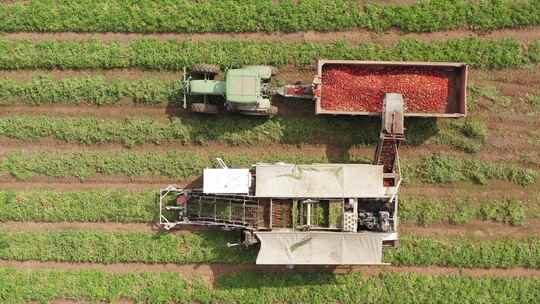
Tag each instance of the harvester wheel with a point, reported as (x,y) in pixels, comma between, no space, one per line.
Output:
(204,108)
(210,70)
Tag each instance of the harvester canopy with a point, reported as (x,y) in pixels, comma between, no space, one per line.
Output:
(319,248)
(319,180)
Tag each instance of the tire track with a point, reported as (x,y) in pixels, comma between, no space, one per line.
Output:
(212,271)
(354,36)
(476,229)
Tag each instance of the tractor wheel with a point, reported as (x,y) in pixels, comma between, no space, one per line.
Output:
(204,108)
(269,113)
(273,111)
(210,70)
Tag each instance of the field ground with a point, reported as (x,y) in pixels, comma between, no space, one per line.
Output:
(45,192)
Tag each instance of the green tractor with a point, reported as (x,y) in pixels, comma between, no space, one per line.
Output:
(246,90)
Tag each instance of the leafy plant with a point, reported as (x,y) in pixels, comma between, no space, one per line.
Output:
(533,99)
(463,252)
(210,247)
(232,130)
(78,206)
(148,16)
(438,168)
(176,54)
(431,169)
(44,89)
(474,128)
(21,286)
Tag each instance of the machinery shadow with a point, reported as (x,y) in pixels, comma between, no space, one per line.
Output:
(297,124)
(337,153)
(276,277)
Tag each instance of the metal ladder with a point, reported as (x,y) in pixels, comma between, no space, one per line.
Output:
(392,134)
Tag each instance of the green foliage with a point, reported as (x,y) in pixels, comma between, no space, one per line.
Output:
(82,206)
(21,286)
(474,128)
(533,99)
(115,247)
(431,169)
(507,211)
(126,207)
(467,135)
(84,165)
(262,15)
(232,130)
(425,211)
(466,253)
(438,169)
(437,15)
(175,55)
(491,93)
(211,247)
(44,89)
(534,52)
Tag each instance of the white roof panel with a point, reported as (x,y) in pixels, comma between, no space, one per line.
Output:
(226,181)
(320,248)
(319,180)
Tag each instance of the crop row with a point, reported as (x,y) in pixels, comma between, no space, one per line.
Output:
(232,130)
(211,247)
(440,169)
(256,15)
(433,168)
(460,210)
(83,206)
(175,55)
(258,287)
(141,207)
(44,89)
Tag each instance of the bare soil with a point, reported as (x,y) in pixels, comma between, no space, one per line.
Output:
(76,185)
(210,272)
(110,226)
(476,230)
(354,36)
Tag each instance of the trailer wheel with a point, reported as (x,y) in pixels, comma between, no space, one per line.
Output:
(210,70)
(204,108)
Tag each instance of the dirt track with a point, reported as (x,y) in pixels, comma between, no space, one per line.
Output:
(477,229)
(210,272)
(352,36)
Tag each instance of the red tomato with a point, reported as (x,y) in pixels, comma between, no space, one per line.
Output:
(361,89)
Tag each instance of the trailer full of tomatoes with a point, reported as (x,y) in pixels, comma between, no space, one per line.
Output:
(350,88)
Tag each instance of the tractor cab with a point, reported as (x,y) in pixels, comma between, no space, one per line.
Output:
(245,90)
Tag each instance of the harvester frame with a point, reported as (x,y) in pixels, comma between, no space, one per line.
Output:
(279,205)
(274,204)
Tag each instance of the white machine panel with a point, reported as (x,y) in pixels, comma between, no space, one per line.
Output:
(320,248)
(319,180)
(226,181)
